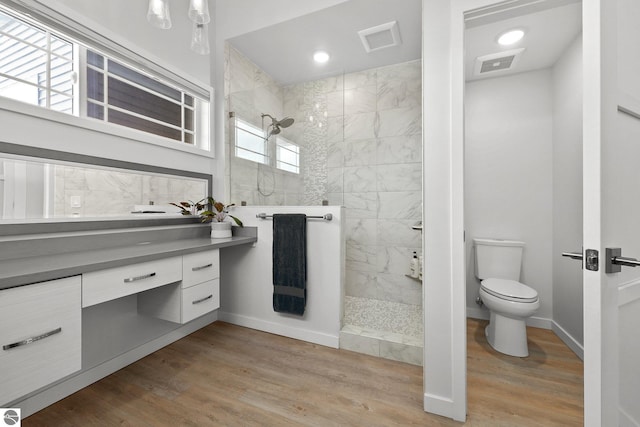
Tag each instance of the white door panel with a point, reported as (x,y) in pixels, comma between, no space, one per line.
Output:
(611,174)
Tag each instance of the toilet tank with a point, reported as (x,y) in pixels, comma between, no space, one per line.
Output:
(500,259)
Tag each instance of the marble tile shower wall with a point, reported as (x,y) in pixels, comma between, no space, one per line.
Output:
(374,169)
(250,92)
(102,192)
(362,150)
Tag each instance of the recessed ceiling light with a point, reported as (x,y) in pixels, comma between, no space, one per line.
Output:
(321,57)
(510,37)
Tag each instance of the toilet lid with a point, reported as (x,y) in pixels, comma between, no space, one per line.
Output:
(509,290)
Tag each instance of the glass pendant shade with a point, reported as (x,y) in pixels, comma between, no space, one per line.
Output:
(199,11)
(200,39)
(158,14)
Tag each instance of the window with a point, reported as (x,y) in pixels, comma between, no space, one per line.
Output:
(117,94)
(36,66)
(41,67)
(287,155)
(250,142)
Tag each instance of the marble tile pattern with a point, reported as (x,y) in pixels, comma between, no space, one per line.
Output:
(383,329)
(380,177)
(380,172)
(102,192)
(385,317)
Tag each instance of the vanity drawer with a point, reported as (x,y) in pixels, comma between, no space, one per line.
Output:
(200,299)
(180,305)
(40,337)
(200,267)
(106,285)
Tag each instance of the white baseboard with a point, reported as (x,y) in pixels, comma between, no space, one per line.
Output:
(535,322)
(540,322)
(284,330)
(443,406)
(70,385)
(566,338)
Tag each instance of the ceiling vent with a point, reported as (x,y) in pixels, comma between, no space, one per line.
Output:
(501,61)
(380,37)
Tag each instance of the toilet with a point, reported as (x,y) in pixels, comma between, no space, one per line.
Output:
(509,302)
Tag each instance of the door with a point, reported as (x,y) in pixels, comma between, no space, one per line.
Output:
(611,204)
(611,210)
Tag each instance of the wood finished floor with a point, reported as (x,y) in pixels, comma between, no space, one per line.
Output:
(225,375)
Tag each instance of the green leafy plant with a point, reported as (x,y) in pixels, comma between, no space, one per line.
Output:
(208,209)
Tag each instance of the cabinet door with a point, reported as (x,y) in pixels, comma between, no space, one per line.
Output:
(40,336)
(200,267)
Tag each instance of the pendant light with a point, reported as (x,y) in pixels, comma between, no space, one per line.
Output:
(158,14)
(200,39)
(199,11)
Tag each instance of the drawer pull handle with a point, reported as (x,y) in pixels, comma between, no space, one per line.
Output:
(31,340)
(135,279)
(198,301)
(202,267)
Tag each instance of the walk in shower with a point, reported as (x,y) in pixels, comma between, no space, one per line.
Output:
(355,140)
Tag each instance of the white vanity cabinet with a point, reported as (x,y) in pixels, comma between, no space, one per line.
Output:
(106,285)
(196,295)
(40,335)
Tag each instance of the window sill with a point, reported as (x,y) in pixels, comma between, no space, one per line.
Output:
(14,106)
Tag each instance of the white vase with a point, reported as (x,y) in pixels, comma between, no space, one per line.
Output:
(220,230)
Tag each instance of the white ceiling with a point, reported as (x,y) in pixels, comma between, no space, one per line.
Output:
(548,33)
(285,50)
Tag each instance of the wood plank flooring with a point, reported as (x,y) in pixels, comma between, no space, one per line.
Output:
(225,375)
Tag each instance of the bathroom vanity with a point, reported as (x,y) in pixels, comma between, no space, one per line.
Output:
(76,306)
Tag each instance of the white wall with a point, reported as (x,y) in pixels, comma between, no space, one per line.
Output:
(246,289)
(508,174)
(567,194)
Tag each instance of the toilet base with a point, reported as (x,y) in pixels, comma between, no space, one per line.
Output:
(507,335)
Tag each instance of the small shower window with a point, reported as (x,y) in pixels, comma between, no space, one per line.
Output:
(287,155)
(250,143)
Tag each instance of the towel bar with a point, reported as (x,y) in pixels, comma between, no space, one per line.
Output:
(327,217)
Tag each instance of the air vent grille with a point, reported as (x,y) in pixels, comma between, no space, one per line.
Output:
(500,61)
(380,37)
(496,64)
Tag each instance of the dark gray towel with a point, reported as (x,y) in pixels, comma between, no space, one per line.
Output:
(289,263)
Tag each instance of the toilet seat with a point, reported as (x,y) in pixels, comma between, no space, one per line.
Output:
(509,290)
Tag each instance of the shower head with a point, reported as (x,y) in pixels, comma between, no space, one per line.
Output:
(286,122)
(276,125)
(274,130)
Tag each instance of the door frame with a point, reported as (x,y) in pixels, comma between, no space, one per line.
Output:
(444,296)
(444,300)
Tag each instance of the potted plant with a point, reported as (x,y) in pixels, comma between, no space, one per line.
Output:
(216,215)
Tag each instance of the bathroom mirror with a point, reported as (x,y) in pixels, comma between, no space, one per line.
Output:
(336,106)
(40,185)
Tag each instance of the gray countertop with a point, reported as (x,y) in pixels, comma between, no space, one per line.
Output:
(24,271)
